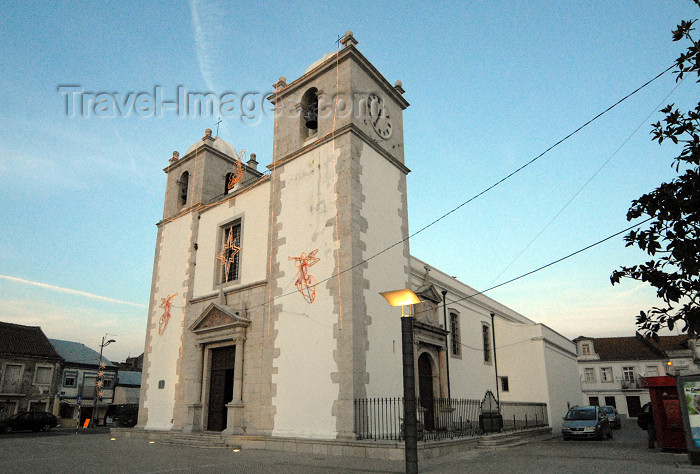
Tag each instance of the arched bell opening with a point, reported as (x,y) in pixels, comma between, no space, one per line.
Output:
(309,112)
(183,187)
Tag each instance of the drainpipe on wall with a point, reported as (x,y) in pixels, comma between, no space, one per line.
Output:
(447,346)
(495,362)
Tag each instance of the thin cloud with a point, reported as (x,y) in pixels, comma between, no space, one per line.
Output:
(205,38)
(71,291)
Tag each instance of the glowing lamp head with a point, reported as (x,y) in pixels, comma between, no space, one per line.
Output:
(669,363)
(400,298)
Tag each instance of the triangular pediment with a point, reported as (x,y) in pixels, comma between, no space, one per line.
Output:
(430,293)
(217,316)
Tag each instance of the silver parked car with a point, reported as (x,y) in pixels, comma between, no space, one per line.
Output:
(586,422)
(613,417)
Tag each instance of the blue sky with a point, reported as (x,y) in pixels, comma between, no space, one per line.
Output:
(491,85)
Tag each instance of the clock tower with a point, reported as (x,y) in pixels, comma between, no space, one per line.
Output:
(338,187)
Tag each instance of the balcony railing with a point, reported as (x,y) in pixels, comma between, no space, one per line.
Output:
(382,418)
(630,384)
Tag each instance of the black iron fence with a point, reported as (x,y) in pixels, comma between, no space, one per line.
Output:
(518,415)
(382,418)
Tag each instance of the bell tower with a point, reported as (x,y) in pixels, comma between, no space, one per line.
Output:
(338,186)
(339,91)
(203,173)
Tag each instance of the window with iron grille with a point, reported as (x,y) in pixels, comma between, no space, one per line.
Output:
(454,330)
(487,342)
(229,256)
(504,384)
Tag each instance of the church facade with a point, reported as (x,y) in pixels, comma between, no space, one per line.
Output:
(265,317)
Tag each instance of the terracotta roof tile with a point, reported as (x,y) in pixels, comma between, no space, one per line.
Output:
(635,348)
(18,340)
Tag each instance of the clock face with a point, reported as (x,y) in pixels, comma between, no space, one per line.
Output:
(377,116)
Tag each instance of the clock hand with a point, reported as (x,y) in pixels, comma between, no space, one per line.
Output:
(378,116)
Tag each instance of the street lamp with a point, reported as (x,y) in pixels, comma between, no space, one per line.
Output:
(100,377)
(407,298)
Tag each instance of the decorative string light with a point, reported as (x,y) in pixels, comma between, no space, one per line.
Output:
(165,304)
(305,282)
(235,177)
(229,252)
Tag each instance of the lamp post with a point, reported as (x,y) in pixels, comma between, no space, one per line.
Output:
(100,377)
(406,298)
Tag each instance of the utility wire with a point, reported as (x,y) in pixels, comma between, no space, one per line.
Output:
(545,266)
(362,262)
(555,261)
(587,182)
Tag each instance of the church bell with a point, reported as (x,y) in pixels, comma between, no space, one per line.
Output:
(311,116)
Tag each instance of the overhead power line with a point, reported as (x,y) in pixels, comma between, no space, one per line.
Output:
(489,188)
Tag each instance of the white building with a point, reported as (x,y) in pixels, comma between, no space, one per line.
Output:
(265,316)
(610,367)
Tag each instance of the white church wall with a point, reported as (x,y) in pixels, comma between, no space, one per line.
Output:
(253,208)
(540,365)
(562,376)
(305,395)
(520,355)
(381,208)
(470,375)
(165,348)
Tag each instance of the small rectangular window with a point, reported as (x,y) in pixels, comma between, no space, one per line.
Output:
(606,374)
(12,378)
(504,384)
(43,375)
(593,401)
(586,348)
(652,371)
(589,374)
(70,379)
(628,374)
(487,342)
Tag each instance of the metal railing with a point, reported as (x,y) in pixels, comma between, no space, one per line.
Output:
(519,415)
(382,418)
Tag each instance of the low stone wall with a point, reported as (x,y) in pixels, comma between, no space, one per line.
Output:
(391,450)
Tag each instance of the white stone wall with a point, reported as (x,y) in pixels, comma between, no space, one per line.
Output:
(165,349)
(540,365)
(302,371)
(252,207)
(562,377)
(381,208)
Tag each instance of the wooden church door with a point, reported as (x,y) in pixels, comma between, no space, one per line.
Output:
(425,391)
(220,386)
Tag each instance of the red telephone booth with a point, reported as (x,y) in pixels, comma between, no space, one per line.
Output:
(666,408)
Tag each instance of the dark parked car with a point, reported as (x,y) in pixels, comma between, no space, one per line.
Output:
(613,417)
(586,422)
(127,415)
(29,420)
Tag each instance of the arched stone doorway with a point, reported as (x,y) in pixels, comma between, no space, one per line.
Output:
(425,391)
